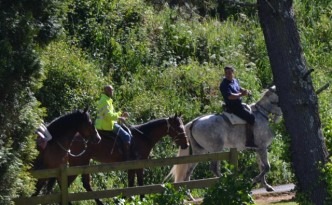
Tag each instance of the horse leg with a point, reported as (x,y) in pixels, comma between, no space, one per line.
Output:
(131,178)
(50,185)
(215,168)
(264,166)
(39,185)
(87,186)
(190,170)
(140,180)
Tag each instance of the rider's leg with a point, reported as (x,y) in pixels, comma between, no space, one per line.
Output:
(250,139)
(126,138)
(250,118)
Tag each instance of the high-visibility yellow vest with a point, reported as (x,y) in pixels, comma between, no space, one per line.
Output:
(106,115)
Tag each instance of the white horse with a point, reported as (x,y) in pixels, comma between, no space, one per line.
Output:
(213,133)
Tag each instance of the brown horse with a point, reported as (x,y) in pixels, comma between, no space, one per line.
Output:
(145,136)
(63,130)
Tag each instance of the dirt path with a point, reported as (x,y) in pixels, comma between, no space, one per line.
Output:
(262,199)
(271,198)
(283,193)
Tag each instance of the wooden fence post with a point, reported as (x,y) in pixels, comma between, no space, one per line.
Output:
(234,156)
(63,171)
(64,184)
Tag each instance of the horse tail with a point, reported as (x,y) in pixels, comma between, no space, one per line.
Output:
(179,171)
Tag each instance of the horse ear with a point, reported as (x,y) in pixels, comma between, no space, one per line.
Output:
(273,88)
(86,109)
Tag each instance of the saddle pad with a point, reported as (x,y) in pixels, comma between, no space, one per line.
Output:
(235,120)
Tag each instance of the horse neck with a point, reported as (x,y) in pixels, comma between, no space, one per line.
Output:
(263,106)
(63,129)
(154,130)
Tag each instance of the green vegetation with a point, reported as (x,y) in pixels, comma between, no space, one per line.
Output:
(161,58)
(232,189)
(278,203)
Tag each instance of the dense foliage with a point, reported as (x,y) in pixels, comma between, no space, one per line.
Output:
(161,58)
(70,81)
(25,27)
(231,189)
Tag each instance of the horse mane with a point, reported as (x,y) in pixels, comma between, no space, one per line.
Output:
(65,122)
(147,127)
(266,93)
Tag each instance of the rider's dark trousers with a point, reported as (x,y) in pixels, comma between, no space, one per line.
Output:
(244,114)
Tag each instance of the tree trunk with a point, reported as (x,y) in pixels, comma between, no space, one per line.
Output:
(298,100)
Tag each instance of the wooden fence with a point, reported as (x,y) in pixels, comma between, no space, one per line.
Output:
(62,173)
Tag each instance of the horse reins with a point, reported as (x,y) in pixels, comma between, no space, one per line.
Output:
(263,113)
(260,108)
(68,151)
(116,137)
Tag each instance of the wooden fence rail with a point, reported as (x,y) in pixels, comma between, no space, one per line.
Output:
(62,173)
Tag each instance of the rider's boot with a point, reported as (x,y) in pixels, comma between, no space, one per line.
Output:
(250,140)
(126,151)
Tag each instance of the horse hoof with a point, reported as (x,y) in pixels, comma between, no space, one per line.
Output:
(254,182)
(191,197)
(269,189)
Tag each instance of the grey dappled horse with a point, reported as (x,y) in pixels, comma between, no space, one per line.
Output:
(213,133)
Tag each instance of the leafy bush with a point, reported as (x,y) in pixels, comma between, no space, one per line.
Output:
(231,189)
(170,196)
(160,62)
(327,177)
(25,28)
(70,81)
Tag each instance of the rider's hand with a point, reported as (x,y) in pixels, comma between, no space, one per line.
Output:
(122,119)
(244,92)
(125,114)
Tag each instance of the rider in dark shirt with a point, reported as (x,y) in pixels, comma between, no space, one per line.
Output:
(232,94)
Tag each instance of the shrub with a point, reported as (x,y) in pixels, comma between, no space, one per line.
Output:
(327,177)
(231,189)
(170,196)
(70,81)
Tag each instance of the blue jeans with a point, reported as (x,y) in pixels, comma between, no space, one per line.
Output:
(124,135)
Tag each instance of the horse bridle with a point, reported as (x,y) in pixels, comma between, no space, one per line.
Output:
(260,108)
(68,151)
(169,126)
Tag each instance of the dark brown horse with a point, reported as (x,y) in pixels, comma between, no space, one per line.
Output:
(145,136)
(63,130)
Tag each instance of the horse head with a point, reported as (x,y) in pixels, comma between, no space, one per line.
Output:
(175,129)
(87,128)
(270,100)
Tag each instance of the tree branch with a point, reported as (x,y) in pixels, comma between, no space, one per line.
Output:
(321,89)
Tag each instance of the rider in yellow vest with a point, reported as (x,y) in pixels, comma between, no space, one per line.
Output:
(107,119)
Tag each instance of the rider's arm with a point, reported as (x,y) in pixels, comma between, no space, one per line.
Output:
(234,96)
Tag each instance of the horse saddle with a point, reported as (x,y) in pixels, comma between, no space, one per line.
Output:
(234,119)
(43,136)
(113,135)
(108,134)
